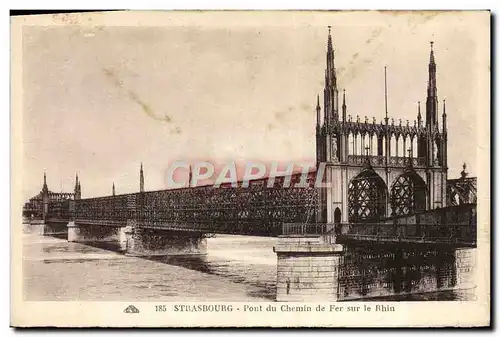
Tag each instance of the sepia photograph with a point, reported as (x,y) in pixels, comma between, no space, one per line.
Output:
(251,163)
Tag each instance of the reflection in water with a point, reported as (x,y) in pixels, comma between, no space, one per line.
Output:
(236,268)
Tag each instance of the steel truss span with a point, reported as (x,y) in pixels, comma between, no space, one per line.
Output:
(253,210)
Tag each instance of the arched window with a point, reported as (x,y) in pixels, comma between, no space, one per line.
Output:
(408,194)
(367,197)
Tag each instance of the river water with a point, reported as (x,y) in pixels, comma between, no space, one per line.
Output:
(236,268)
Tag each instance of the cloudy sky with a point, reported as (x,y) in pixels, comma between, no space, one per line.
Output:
(100,99)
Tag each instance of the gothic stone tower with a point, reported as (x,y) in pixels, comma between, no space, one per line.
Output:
(378,170)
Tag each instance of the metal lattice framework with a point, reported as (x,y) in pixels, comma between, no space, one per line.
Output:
(58,210)
(256,209)
(408,194)
(367,196)
(112,209)
(461,191)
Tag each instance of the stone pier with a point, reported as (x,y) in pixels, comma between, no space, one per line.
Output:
(43,227)
(308,269)
(37,227)
(149,242)
(92,233)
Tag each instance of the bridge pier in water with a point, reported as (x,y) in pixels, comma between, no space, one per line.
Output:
(154,242)
(311,268)
(307,269)
(86,233)
(43,227)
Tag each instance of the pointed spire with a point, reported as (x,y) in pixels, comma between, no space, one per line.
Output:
(330,61)
(385,95)
(330,46)
(444,116)
(432,53)
(330,106)
(190,176)
(344,106)
(141,180)
(318,114)
(45,189)
(114,189)
(431,104)
(330,51)
(76,182)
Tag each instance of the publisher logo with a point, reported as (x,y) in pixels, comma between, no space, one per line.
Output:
(131,310)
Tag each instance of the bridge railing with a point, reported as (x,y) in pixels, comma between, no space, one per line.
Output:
(290,229)
(455,224)
(408,232)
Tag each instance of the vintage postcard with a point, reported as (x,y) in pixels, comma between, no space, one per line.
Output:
(251,169)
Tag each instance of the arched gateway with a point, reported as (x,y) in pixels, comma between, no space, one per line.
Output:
(367,196)
(408,194)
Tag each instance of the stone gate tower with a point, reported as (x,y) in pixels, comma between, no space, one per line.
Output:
(379,169)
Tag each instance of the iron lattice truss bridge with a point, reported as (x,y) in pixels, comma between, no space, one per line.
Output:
(263,211)
(254,210)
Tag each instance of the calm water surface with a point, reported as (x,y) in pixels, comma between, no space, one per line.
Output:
(236,268)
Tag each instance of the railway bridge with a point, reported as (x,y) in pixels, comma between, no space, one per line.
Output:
(385,219)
